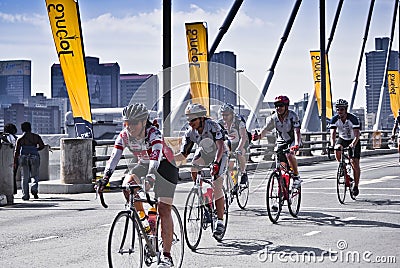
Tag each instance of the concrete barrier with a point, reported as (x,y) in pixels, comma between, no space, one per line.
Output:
(6,173)
(76,161)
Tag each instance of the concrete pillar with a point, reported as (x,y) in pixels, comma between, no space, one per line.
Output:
(76,160)
(6,173)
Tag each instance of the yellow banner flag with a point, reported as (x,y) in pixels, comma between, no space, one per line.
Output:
(196,36)
(316,67)
(67,35)
(394,91)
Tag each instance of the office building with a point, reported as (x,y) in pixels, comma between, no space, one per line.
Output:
(103,82)
(15,81)
(139,88)
(222,78)
(375,67)
(44,120)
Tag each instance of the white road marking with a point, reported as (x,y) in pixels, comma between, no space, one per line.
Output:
(44,238)
(349,219)
(385,178)
(312,233)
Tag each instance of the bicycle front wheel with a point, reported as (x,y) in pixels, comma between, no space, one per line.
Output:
(125,245)
(242,195)
(294,199)
(177,246)
(274,197)
(193,219)
(341,183)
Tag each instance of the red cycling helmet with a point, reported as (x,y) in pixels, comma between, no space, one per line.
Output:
(282,99)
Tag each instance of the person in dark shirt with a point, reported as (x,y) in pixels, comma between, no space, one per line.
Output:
(26,155)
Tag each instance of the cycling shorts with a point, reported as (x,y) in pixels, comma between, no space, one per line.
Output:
(354,152)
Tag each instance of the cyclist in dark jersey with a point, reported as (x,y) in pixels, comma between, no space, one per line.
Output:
(348,127)
(396,126)
(154,160)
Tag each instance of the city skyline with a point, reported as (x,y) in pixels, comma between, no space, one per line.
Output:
(129,32)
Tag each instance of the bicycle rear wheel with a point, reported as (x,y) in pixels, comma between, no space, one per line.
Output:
(125,245)
(177,248)
(294,199)
(193,219)
(242,195)
(274,197)
(341,183)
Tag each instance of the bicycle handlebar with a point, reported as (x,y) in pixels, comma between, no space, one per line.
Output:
(128,187)
(342,149)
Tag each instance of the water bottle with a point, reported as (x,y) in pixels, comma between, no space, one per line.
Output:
(234,175)
(145,222)
(207,193)
(286,177)
(152,218)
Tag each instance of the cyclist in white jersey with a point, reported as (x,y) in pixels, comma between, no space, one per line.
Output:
(395,128)
(236,132)
(154,160)
(209,135)
(287,125)
(348,127)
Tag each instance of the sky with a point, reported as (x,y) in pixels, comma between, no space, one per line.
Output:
(129,32)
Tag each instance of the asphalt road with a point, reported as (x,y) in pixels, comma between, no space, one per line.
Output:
(71,230)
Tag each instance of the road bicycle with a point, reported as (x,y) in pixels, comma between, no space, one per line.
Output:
(200,210)
(129,245)
(236,190)
(344,179)
(280,188)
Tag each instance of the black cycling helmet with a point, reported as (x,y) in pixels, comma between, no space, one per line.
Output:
(135,112)
(227,108)
(341,103)
(194,111)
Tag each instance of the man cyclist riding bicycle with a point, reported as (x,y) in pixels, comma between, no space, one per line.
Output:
(235,127)
(154,160)
(287,125)
(348,126)
(200,128)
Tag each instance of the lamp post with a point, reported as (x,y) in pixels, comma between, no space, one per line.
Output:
(238,86)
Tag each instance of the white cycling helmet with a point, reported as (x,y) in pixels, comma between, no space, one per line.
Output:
(194,111)
(135,112)
(227,108)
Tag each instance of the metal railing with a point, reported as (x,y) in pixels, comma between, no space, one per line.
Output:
(312,142)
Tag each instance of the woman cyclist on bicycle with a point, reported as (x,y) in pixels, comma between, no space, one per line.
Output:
(154,160)
(200,128)
(348,126)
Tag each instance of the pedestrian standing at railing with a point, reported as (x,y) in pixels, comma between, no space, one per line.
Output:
(394,130)
(26,155)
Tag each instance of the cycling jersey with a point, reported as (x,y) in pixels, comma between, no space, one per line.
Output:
(346,128)
(233,132)
(145,151)
(285,128)
(211,130)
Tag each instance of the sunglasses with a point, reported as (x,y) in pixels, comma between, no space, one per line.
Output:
(279,105)
(193,120)
(225,115)
(340,109)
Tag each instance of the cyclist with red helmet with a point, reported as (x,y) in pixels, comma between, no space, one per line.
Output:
(287,125)
(212,149)
(348,127)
